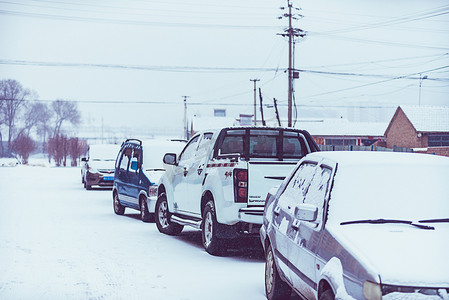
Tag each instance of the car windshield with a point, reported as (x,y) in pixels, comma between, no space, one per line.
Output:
(107,152)
(396,192)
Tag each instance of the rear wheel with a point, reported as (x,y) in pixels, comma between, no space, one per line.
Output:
(163,216)
(327,295)
(211,242)
(275,287)
(118,208)
(145,215)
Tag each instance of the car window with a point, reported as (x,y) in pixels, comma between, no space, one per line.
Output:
(125,159)
(135,161)
(189,150)
(263,143)
(119,156)
(300,182)
(316,193)
(204,144)
(293,145)
(232,143)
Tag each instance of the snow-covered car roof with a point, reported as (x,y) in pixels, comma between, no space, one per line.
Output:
(103,151)
(379,158)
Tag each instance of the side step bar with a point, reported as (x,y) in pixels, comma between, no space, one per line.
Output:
(186,222)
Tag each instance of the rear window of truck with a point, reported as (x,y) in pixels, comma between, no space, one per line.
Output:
(262,143)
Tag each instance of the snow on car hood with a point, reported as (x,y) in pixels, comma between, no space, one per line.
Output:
(102,164)
(400,254)
(154,175)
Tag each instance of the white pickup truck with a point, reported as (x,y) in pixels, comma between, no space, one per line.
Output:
(220,180)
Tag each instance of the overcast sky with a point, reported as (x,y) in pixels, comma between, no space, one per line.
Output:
(130,62)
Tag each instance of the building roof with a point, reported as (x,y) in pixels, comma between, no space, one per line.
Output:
(341,127)
(428,118)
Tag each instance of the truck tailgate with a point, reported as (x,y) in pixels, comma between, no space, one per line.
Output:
(262,176)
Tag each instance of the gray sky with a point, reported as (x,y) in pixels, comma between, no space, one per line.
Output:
(129,62)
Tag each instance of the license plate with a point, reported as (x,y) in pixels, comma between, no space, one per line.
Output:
(108,178)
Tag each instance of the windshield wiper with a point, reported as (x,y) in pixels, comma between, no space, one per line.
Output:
(435,221)
(387,221)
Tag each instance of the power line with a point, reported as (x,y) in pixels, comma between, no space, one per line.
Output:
(209,69)
(135,22)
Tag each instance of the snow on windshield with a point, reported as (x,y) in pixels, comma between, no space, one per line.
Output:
(408,192)
(103,152)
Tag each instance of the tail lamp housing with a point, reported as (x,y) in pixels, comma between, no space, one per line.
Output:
(241,185)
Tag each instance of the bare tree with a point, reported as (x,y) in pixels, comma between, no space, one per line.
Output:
(57,148)
(76,148)
(23,145)
(65,111)
(37,115)
(13,97)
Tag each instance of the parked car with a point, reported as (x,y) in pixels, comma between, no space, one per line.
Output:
(359,225)
(138,169)
(98,167)
(220,180)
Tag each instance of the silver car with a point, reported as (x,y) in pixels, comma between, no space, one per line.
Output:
(359,225)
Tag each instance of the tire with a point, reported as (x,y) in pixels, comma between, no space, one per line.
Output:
(162,216)
(86,186)
(275,287)
(118,208)
(211,243)
(327,295)
(145,215)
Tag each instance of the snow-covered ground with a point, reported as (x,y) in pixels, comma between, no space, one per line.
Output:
(59,241)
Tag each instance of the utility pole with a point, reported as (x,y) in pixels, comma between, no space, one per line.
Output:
(186,136)
(261,108)
(421,78)
(277,112)
(291,33)
(255,101)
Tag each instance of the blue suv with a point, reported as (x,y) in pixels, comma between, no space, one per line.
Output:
(138,168)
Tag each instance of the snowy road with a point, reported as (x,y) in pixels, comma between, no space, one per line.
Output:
(59,241)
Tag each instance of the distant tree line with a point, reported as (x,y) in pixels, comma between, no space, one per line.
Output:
(22,116)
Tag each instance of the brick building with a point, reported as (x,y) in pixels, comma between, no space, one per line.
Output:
(422,128)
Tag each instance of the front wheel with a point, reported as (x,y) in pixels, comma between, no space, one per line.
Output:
(211,242)
(163,223)
(275,287)
(118,208)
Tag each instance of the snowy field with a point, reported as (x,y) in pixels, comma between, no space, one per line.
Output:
(59,241)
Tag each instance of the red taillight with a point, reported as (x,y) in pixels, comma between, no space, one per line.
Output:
(241,185)
(243,192)
(242,175)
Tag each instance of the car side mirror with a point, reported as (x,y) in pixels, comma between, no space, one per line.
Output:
(306,212)
(170,159)
(84,159)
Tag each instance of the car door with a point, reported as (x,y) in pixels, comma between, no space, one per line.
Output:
(122,172)
(182,172)
(283,213)
(134,170)
(304,236)
(195,175)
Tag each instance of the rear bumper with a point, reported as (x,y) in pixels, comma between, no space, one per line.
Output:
(253,215)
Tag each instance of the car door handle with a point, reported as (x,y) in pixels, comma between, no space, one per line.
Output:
(185,172)
(295,224)
(277,210)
